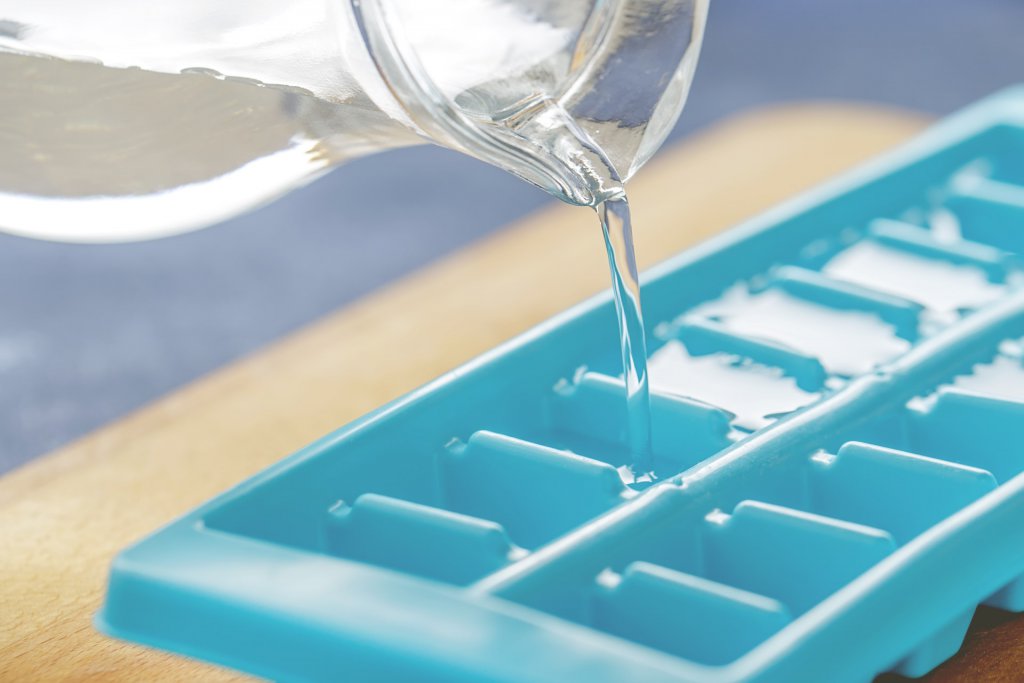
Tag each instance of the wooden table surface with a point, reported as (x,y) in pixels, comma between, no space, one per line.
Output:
(64,516)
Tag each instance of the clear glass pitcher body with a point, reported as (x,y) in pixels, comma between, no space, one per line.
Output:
(126,120)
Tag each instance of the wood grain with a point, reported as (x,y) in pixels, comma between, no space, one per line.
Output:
(63,517)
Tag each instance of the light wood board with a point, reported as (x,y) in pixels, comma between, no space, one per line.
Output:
(64,516)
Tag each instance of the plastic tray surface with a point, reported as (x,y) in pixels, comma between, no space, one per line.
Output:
(838,442)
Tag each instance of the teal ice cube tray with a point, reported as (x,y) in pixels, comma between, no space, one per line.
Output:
(838,423)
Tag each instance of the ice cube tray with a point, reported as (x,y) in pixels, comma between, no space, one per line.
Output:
(839,434)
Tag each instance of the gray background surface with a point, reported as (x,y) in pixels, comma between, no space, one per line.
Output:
(88,333)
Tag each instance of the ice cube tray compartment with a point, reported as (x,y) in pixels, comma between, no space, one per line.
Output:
(837,428)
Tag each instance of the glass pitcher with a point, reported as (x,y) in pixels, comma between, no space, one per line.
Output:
(124,120)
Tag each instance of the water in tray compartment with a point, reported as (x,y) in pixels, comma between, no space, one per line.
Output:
(940,286)
(751,391)
(1003,378)
(846,342)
